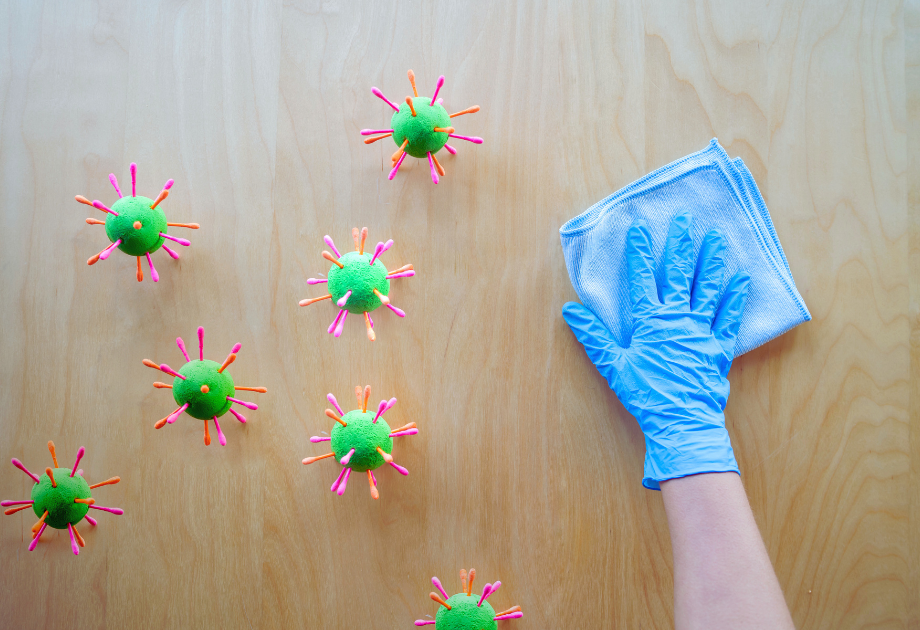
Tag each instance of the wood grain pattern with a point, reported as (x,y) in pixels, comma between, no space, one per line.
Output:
(526,466)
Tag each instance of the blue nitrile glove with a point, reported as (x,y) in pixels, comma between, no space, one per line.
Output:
(672,377)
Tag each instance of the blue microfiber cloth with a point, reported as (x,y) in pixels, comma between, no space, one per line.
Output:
(720,193)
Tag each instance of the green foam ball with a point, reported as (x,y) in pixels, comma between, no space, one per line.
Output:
(465,614)
(136,241)
(203,405)
(59,501)
(361,278)
(420,128)
(364,436)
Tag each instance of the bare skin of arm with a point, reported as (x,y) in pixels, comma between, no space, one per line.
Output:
(723,578)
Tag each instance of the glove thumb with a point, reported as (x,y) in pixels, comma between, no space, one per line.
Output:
(599,344)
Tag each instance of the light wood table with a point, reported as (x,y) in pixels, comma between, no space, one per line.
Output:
(526,467)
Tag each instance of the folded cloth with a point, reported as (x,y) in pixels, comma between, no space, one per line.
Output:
(721,194)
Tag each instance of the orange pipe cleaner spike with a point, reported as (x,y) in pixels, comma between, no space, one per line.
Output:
(53,454)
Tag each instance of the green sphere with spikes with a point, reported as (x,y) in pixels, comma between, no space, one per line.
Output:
(465,610)
(136,225)
(420,127)
(358,282)
(203,389)
(361,440)
(61,498)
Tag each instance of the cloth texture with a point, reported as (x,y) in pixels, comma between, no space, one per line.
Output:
(721,194)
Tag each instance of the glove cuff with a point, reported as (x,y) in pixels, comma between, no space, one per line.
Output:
(672,455)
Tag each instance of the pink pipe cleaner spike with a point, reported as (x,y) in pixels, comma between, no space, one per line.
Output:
(437,585)
(401,470)
(153,271)
(404,433)
(236,348)
(383,98)
(316,439)
(248,405)
(486,590)
(387,246)
(338,480)
(328,240)
(316,280)
(18,464)
(237,415)
(9,503)
(344,299)
(370,319)
(377,251)
(398,311)
(73,541)
(390,404)
(424,622)
(493,589)
(133,179)
(335,322)
(437,89)
(101,206)
(373,477)
(38,535)
(170,371)
(514,615)
(201,343)
(168,184)
(341,325)
(473,139)
(181,345)
(91,520)
(117,511)
(434,172)
(173,253)
(181,241)
(344,461)
(220,434)
(344,483)
(398,164)
(114,181)
(402,274)
(80,453)
(381,409)
(178,412)
(108,250)
(335,403)
(450,149)
(370,132)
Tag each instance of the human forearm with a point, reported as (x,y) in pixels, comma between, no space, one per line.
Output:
(723,577)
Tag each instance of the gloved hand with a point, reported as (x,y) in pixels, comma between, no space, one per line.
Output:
(672,377)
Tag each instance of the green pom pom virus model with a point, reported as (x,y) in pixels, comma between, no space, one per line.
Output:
(465,611)
(361,441)
(420,128)
(358,282)
(61,498)
(135,225)
(203,389)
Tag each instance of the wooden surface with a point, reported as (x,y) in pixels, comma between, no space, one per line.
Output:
(526,468)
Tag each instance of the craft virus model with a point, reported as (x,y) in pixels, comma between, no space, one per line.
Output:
(358,282)
(420,127)
(61,498)
(203,389)
(361,441)
(135,225)
(465,611)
